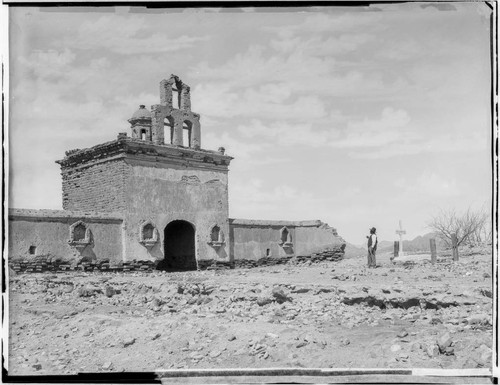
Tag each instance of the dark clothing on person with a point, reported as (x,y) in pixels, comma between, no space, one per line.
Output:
(372,248)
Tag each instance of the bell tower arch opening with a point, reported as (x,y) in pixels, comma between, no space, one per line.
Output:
(186,129)
(179,246)
(168,124)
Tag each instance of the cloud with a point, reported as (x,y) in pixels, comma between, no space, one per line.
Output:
(128,35)
(300,72)
(245,151)
(286,134)
(429,184)
(390,128)
(317,46)
(330,21)
(251,196)
(49,64)
(461,142)
(272,100)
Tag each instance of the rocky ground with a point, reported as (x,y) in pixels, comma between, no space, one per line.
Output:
(335,314)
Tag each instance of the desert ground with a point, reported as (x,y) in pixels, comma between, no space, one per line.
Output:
(410,314)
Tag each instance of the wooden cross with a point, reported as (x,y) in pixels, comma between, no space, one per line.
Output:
(400,232)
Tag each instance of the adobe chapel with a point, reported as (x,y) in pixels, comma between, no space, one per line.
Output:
(156,199)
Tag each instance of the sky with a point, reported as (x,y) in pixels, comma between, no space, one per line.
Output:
(358,116)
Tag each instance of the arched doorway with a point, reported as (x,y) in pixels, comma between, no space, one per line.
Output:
(179,247)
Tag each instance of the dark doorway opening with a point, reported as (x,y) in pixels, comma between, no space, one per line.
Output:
(179,247)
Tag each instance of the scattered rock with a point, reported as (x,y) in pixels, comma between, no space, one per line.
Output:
(87,291)
(279,295)
(128,342)
(449,351)
(444,341)
(231,338)
(432,350)
(304,290)
(415,346)
(395,348)
(67,288)
(402,334)
(262,301)
(402,357)
(109,291)
(479,319)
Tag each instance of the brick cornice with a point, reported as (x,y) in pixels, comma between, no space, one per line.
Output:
(135,150)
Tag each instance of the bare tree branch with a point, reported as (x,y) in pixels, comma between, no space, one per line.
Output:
(469,226)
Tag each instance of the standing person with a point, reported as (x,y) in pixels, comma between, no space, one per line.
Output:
(372,247)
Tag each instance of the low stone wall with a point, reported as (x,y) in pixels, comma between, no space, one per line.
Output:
(44,264)
(329,254)
(241,263)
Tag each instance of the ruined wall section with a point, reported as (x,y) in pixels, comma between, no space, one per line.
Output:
(316,237)
(95,187)
(257,239)
(48,233)
(175,111)
(94,179)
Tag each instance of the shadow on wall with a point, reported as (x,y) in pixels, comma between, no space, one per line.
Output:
(87,254)
(222,254)
(156,251)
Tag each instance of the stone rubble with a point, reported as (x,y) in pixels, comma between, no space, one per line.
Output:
(251,318)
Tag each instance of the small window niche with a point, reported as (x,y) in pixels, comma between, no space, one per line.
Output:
(285,238)
(32,250)
(216,237)
(148,235)
(80,235)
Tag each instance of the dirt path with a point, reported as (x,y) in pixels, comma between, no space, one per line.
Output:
(327,315)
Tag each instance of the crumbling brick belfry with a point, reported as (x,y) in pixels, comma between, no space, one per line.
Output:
(173,115)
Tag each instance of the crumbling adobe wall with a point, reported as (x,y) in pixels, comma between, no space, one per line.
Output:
(256,239)
(95,186)
(316,237)
(177,113)
(47,233)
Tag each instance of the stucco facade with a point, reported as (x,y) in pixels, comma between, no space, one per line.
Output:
(50,233)
(256,239)
(159,197)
